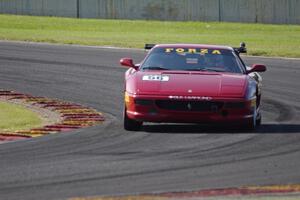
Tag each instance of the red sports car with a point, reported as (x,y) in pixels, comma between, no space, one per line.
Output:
(192,83)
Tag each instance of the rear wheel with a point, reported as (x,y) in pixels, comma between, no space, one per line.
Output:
(130,124)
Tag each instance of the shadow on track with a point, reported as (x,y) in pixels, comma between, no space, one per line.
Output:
(220,129)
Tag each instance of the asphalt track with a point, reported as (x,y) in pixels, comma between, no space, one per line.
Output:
(106,160)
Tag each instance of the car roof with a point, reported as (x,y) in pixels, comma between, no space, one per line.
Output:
(204,46)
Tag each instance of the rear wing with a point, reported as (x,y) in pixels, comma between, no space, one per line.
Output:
(241,49)
(149,46)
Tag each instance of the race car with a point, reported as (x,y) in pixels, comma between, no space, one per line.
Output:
(192,83)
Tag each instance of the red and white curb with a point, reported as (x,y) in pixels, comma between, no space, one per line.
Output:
(274,191)
(73,116)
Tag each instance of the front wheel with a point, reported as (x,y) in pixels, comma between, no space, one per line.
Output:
(255,121)
(130,124)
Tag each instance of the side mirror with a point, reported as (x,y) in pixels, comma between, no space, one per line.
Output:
(257,68)
(128,62)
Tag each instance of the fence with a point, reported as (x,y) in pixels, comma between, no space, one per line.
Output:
(257,11)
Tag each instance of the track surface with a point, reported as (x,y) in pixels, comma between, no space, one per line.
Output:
(106,160)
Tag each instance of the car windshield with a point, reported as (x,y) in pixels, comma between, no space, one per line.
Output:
(192,59)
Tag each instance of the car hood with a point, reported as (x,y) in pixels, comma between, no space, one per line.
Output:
(212,84)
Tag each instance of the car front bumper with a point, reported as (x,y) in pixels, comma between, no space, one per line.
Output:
(219,110)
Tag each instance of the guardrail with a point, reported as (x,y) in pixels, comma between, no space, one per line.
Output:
(254,11)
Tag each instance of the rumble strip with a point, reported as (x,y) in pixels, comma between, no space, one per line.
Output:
(69,116)
(276,192)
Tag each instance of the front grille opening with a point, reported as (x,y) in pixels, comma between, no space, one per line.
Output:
(195,106)
(235,105)
(143,102)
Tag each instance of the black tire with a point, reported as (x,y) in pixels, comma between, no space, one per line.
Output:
(130,124)
(252,123)
(258,120)
(249,126)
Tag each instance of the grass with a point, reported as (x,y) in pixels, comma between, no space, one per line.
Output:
(14,117)
(261,39)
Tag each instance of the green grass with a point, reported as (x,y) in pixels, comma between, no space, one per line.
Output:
(262,39)
(14,117)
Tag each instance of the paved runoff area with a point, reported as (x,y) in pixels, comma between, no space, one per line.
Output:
(107,161)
